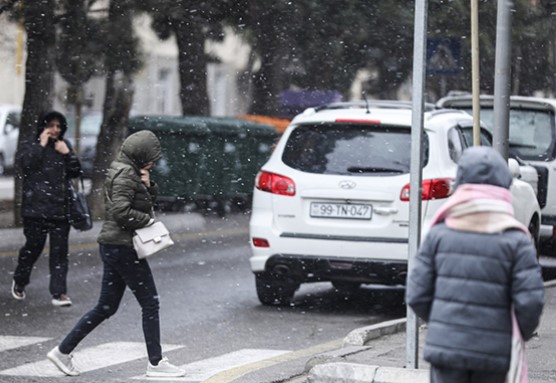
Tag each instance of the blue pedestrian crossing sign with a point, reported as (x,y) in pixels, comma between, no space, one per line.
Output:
(443,56)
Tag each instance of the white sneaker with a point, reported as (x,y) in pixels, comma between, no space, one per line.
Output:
(62,301)
(17,291)
(164,369)
(62,361)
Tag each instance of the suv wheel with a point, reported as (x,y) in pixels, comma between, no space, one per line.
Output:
(534,230)
(273,290)
(346,287)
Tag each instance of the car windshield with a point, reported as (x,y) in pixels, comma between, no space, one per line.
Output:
(350,149)
(531,132)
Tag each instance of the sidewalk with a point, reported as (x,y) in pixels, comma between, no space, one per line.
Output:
(383,357)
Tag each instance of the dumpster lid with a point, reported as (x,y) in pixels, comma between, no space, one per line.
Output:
(238,126)
(164,124)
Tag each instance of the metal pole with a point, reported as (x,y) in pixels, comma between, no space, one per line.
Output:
(475,83)
(419,55)
(502,77)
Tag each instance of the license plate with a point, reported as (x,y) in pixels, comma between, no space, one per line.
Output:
(341,210)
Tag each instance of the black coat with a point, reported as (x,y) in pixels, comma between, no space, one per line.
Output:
(46,180)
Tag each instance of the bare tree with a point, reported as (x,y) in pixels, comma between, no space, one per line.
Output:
(39,21)
(121,62)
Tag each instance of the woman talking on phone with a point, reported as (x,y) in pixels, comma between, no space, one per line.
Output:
(48,163)
(129,194)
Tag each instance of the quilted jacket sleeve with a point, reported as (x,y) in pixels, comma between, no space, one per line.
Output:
(527,288)
(421,278)
(125,187)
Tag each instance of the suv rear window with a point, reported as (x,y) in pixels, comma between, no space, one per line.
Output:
(350,149)
(531,132)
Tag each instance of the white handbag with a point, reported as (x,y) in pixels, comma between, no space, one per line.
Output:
(151,239)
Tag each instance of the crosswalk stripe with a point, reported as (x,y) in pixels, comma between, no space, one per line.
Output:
(204,369)
(89,359)
(235,373)
(10,342)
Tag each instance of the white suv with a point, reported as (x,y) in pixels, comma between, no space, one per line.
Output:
(532,139)
(332,202)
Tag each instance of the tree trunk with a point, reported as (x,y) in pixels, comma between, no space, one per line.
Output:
(192,68)
(553,43)
(117,100)
(117,104)
(268,81)
(39,80)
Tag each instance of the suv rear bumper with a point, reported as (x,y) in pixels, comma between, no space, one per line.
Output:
(306,268)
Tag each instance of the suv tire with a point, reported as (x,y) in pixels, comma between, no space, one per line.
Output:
(534,230)
(273,290)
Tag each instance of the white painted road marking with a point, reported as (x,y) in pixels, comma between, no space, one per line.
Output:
(234,373)
(10,342)
(89,359)
(204,369)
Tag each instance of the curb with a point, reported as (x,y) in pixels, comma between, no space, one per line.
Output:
(360,373)
(360,336)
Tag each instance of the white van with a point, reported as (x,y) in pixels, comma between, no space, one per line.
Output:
(10,116)
(532,139)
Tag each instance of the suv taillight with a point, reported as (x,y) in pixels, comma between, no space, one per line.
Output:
(275,183)
(437,188)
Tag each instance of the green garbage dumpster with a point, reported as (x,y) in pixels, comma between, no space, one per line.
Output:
(209,161)
(243,147)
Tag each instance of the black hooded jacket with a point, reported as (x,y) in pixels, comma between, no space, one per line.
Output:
(47,174)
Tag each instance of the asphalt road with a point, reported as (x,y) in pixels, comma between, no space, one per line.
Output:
(209,311)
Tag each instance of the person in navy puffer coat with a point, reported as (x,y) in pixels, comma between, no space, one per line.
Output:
(475,264)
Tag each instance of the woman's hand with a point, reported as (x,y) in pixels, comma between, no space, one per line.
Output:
(61,147)
(44,137)
(146,177)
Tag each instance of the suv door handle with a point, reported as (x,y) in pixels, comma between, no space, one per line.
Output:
(385,210)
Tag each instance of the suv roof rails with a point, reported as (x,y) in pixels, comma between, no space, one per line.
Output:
(381,104)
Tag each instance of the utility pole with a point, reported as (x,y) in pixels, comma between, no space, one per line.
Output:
(475,75)
(419,55)
(502,76)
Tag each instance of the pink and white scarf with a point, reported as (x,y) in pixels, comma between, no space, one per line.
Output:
(479,208)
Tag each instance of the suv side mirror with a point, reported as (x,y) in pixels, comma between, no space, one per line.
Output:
(514,168)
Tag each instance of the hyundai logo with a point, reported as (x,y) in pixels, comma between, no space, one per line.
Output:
(347,184)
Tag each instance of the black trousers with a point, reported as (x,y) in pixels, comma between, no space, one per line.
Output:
(440,374)
(36,230)
(122,269)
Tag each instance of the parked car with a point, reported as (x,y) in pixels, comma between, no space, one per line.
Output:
(10,116)
(332,202)
(532,140)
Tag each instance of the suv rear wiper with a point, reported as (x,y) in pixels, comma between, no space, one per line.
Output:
(518,145)
(372,169)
